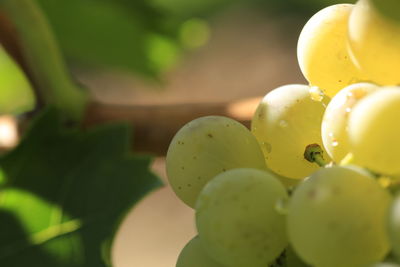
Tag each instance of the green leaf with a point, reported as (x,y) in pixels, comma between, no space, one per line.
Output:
(65,192)
(16,94)
(190,8)
(111,33)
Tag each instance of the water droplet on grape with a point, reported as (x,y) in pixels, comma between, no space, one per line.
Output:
(267,146)
(283,123)
(316,94)
(349,95)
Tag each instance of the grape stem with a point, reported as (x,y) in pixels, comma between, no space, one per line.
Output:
(44,59)
(314,154)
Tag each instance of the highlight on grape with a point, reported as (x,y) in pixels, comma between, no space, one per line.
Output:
(315,182)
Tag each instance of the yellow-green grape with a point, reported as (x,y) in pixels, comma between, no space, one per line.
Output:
(394,226)
(287,120)
(334,123)
(237,218)
(194,255)
(337,217)
(385,264)
(375,43)
(206,147)
(16,94)
(374,131)
(322,50)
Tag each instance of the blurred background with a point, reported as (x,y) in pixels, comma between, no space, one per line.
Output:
(160,63)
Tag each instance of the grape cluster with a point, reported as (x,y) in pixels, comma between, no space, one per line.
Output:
(316,182)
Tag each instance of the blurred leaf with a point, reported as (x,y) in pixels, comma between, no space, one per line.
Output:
(16,94)
(389,8)
(302,8)
(65,192)
(112,33)
(194,33)
(189,8)
(162,52)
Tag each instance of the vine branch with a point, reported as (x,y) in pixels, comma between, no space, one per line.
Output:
(43,58)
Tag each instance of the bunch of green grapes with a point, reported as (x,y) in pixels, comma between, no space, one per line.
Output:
(316,181)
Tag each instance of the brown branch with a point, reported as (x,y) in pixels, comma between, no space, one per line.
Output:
(155,126)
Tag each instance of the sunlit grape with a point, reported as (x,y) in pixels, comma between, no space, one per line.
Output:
(337,217)
(374,131)
(206,147)
(335,121)
(374,41)
(286,121)
(237,219)
(322,50)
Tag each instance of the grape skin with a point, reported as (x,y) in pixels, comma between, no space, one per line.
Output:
(287,120)
(193,255)
(206,147)
(385,264)
(374,131)
(237,220)
(337,217)
(394,226)
(374,41)
(335,120)
(322,50)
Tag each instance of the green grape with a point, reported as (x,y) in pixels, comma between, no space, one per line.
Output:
(385,264)
(394,226)
(237,218)
(334,123)
(374,41)
(286,121)
(337,217)
(205,147)
(16,94)
(374,131)
(322,50)
(193,255)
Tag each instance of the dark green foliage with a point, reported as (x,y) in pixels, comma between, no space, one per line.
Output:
(121,34)
(65,192)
